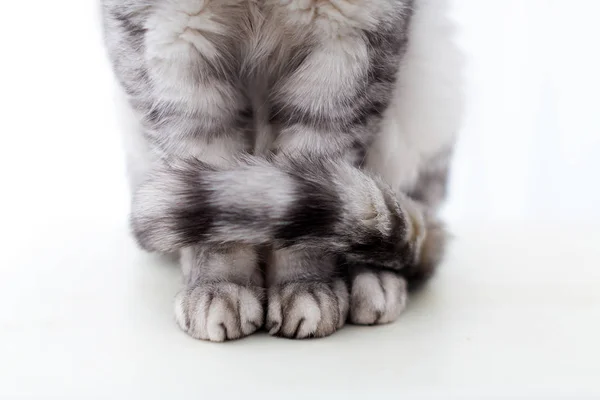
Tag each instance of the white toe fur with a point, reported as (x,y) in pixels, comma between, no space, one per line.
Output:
(377,298)
(307,309)
(219,311)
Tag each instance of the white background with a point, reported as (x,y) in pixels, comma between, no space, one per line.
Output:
(515,310)
(531,142)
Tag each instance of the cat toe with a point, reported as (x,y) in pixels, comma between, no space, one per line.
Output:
(377,297)
(219,311)
(300,310)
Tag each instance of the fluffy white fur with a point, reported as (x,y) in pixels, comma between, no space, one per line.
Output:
(426,113)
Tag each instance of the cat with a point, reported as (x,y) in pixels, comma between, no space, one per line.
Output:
(294,153)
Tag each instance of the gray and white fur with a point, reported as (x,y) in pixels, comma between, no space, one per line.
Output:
(294,152)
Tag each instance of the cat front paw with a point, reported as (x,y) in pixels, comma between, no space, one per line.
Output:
(300,310)
(377,297)
(219,311)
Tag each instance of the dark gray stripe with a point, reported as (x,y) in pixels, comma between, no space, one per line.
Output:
(316,210)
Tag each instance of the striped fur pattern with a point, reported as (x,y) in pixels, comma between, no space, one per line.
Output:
(252,130)
(309,202)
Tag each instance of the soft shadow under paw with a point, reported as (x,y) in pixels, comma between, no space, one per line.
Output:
(301,310)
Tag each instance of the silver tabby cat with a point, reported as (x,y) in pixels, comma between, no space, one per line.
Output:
(292,152)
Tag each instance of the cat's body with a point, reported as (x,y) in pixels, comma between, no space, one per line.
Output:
(273,130)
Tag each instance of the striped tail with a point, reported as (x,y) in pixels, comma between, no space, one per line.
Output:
(325,204)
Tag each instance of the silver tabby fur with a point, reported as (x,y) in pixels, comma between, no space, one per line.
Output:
(293,152)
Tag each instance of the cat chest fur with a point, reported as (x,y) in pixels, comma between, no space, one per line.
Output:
(221,60)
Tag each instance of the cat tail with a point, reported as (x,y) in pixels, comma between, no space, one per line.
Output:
(305,202)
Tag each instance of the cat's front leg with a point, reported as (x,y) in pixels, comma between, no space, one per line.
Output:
(307,295)
(330,106)
(223,296)
(178,61)
(378,296)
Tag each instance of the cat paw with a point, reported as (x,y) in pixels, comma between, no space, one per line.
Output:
(219,311)
(377,297)
(301,310)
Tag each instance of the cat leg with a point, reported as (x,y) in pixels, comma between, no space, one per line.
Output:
(331,115)
(413,150)
(307,295)
(223,295)
(378,297)
(178,62)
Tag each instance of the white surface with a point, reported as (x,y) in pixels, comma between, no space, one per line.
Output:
(83,314)
(514,311)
